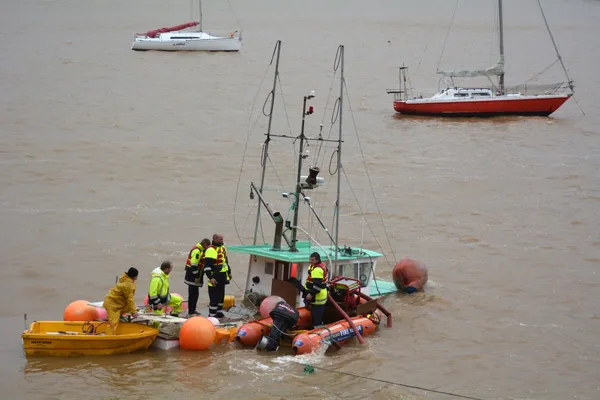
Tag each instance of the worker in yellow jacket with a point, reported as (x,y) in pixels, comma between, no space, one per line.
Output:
(119,300)
(315,289)
(158,292)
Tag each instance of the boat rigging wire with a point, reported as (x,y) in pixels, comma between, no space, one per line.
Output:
(447,34)
(235,15)
(571,85)
(308,368)
(570,81)
(250,129)
(362,154)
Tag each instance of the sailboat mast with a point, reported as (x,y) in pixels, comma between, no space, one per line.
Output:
(200,15)
(265,154)
(339,155)
(501,40)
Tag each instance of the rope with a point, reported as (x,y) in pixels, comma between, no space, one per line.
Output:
(308,368)
(556,47)
(250,129)
(447,34)
(542,71)
(237,19)
(370,184)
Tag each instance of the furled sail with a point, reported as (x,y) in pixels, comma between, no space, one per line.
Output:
(495,70)
(156,32)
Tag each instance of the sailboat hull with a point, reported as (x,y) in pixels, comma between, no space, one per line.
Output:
(187,41)
(506,105)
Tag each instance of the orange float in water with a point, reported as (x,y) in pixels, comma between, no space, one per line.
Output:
(410,275)
(249,334)
(80,310)
(268,304)
(197,333)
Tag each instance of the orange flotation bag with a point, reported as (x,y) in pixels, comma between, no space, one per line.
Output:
(410,275)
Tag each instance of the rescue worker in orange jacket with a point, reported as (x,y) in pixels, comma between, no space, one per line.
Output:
(119,300)
(194,274)
(218,272)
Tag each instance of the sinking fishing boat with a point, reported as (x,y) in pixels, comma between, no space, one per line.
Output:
(351,310)
(89,338)
(169,326)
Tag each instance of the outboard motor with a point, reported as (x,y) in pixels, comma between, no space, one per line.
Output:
(284,317)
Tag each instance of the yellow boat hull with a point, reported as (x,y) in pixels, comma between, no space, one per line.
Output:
(66,338)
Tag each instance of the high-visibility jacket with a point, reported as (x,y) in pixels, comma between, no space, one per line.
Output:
(158,292)
(316,283)
(194,266)
(216,264)
(120,297)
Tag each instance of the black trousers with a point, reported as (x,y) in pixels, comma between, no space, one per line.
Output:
(193,294)
(216,295)
(316,313)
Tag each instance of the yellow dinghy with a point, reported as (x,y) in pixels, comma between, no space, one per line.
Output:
(66,338)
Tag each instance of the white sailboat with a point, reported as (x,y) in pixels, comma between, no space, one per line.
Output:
(181,38)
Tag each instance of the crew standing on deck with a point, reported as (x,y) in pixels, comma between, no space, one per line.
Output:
(119,299)
(158,291)
(194,274)
(218,272)
(315,288)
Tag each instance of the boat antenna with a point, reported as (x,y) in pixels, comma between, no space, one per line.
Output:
(265,154)
(571,85)
(501,40)
(339,62)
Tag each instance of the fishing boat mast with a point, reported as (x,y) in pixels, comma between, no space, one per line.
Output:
(301,155)
(265,154)
(340,60)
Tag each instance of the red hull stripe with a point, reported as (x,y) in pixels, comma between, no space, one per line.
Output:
(542,106)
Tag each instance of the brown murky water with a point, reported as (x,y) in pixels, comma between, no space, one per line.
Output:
(112,158)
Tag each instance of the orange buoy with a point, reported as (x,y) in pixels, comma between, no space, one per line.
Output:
(80,310)
(197,333)
(410,275)
(268,304)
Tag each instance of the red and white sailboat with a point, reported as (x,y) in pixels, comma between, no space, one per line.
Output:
(498,99)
